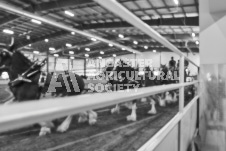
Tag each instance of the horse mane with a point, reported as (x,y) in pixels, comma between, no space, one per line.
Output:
(19,63)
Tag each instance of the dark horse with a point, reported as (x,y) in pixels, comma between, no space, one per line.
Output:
(27,82)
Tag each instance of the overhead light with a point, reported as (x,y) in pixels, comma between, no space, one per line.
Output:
(52,49)
(193,34)
(69,13)
(99,57)
(86,55)
(72,57)
(28,37)
(101,52)
(73,33)
(93,39)
(36,52)
(176,2)
(154,51)
(29,45)
(145,47)
(123,49)
(68,45)
(56,55)
(7,31)
(135,42)
(114,55)
(197,42)
(46,40)
(36,21)
(120,36)
(71,52)
(87,49)
(111,45)
(113,30)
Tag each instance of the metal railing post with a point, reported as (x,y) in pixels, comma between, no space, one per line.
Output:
(181,90)
(181,103)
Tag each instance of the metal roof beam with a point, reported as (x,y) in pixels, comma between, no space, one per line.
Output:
(60,25)
(187,21)
(60,4)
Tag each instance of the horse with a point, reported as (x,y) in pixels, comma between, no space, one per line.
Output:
(123,77)
(25,75)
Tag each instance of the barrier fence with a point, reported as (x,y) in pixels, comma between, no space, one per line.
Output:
(25,113)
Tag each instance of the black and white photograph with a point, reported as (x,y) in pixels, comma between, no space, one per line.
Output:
(112,75)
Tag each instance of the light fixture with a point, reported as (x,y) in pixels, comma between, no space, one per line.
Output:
(68,45)
(123,49)
(154,51)
(93,39)
(72,57)
(197,42)
(120,36)
(145,47)
(110,45)
(36,52)
(36,21)
(87,49)
(69,13)
(29,45)
(135,42)
(56,55)
(113,31)
(114,55)
(86,55)
(101,52)
(46,40)
(52,49)
(73,33)
(71,52)
(176,2)
(193,34)
(99,57)
(28,37)
(7,31)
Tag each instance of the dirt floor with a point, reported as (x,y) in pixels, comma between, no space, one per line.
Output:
(111,133)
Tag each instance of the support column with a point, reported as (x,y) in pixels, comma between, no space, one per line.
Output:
(84,67)
(47,61)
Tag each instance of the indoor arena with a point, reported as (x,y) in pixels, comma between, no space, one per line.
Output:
(112,75)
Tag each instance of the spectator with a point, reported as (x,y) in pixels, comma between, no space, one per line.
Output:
(172,64)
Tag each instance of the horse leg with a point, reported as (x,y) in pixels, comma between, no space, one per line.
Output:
(162,102)
(10,101)
(153,109)
(133,116)
(45,128)
(92,117)
(83,117)
(65,124)
(116,109)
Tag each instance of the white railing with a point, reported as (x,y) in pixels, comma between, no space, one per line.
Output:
(26,113)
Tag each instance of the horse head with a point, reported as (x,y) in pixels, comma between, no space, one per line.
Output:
(6,52)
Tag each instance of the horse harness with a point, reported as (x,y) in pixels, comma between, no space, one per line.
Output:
(26,76)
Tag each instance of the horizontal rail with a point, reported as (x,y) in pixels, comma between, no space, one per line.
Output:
(162,133)
(21,12)
(25,113)
(125,14)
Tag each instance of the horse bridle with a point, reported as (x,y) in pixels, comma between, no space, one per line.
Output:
(24,77)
